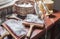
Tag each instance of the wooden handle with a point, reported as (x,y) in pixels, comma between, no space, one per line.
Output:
(30,30)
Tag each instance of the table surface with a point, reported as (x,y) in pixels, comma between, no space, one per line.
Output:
(48,25)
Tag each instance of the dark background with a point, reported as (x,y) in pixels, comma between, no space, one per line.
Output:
(56,5)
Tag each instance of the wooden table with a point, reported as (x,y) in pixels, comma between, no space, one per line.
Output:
(49,22)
